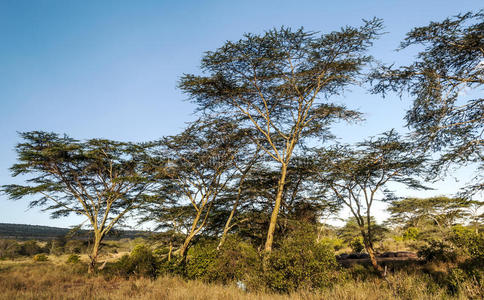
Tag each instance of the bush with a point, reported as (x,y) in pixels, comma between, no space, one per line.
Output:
(334,243)
(441,251)
(356,244)
(140,261)
(300,262)
(40,257)
(75,247)
(468,241)
(9,249)
(201,259)
(73,259)
(411,234)
(30,248)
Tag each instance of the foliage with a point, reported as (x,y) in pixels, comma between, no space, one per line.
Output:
(40,257)
(356,244)
(438,250)
(140,262)
(101,180)
(73,259)
(300,263)
(278,83)
(411,234)
(440,211)
(446,115)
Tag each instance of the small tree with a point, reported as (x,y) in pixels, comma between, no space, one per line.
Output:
(101,180)
(355,177)
(278,84)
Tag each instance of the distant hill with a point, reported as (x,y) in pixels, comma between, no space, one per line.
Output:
(26,232)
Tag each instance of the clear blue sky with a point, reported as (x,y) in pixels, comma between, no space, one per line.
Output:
(109,68)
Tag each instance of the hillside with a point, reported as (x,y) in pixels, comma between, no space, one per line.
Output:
(25,232)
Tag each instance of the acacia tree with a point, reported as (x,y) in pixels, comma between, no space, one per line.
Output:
(356,177)
(440,211)
(445,83)
(199,164)
(101,180)
(279,83)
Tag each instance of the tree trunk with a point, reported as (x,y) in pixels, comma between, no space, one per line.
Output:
(191,234)
(275,211)
(371,253)
(229,220)
(94,253)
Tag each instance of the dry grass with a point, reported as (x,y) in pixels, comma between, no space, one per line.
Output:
(53,280)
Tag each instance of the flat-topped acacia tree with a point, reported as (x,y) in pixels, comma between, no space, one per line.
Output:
(101,180)
(358,176)
(280,83)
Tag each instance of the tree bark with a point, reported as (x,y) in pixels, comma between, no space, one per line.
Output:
(275,211)
(371,253)
(94,253)
(191,234)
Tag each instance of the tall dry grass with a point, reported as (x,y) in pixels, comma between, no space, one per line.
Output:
(48,280)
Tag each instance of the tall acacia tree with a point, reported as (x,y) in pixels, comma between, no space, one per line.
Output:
(445,82)
(101,180)
(358,176)
(280,83)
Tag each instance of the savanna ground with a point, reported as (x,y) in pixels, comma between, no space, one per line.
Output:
(55,279)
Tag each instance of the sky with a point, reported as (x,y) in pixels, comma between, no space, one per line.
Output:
(109,69)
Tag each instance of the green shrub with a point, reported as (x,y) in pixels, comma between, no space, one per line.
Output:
(334,243)
(75,247)
(438,251)
(140,261)
(237,260)
(299,262)
(30,248)
(356,244)
(468,241)
(201,259)
(9,249)
(40,257)
(411,234)
(73,259)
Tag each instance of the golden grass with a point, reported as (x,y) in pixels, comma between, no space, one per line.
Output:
(53,280)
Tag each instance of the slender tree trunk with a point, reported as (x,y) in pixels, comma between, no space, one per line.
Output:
(275,211)
(227,224)
(169,251)
(371,252)
(191,234)
(94,253)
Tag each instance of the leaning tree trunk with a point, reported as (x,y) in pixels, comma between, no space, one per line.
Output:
(371,253)
(275,211)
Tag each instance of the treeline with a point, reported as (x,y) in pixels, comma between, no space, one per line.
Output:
(261,164)
(38,232)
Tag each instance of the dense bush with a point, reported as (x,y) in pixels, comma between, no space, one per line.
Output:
(73,259)
(30,248)
(469,241)
(40,257)
(438,250)
(140,261)
(299,262)
(356,245)
(236,260)
(9,249)
(75,247)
